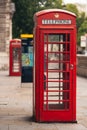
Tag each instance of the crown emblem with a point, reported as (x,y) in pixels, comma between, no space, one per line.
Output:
(56,15)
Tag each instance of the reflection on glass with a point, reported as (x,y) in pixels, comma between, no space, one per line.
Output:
(56,38)
(16,59)
(16,52)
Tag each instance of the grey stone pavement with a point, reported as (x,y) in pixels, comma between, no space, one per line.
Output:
(16,106)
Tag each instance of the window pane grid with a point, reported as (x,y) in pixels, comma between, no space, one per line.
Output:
(56,71)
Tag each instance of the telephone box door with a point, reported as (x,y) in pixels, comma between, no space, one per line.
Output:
(15,58)
(57,69)
(16,61)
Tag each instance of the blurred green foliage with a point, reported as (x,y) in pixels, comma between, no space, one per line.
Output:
(25,10)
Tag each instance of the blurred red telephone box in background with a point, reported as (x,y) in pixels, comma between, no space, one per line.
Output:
(54,66)
(15,57)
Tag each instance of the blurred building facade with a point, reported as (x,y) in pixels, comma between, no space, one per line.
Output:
(7,9)
(6,13)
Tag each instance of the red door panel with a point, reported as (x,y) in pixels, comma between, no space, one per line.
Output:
(56,70)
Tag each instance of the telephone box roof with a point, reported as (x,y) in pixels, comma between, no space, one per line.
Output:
(54,10)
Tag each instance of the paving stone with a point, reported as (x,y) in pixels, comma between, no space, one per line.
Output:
(70,127)
(18,127)
(4,127)
(16,106)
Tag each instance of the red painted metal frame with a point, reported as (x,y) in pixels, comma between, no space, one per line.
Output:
(15,65)
(52,115)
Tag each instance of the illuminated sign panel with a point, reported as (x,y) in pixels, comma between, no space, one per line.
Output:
(47,21)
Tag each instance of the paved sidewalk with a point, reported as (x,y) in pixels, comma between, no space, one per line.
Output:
(16,106)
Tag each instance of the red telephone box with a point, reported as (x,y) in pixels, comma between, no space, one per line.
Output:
(15,57)
(54,66)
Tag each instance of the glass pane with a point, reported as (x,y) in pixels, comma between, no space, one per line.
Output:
(53,75)
(68,37)
(53,65)
(56,37)
(59,75)
(58,85)
(56,57)
(16,52)
(16,59)
(55,47)
(58,105)
(66,47)
(53,96)
(45,47)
